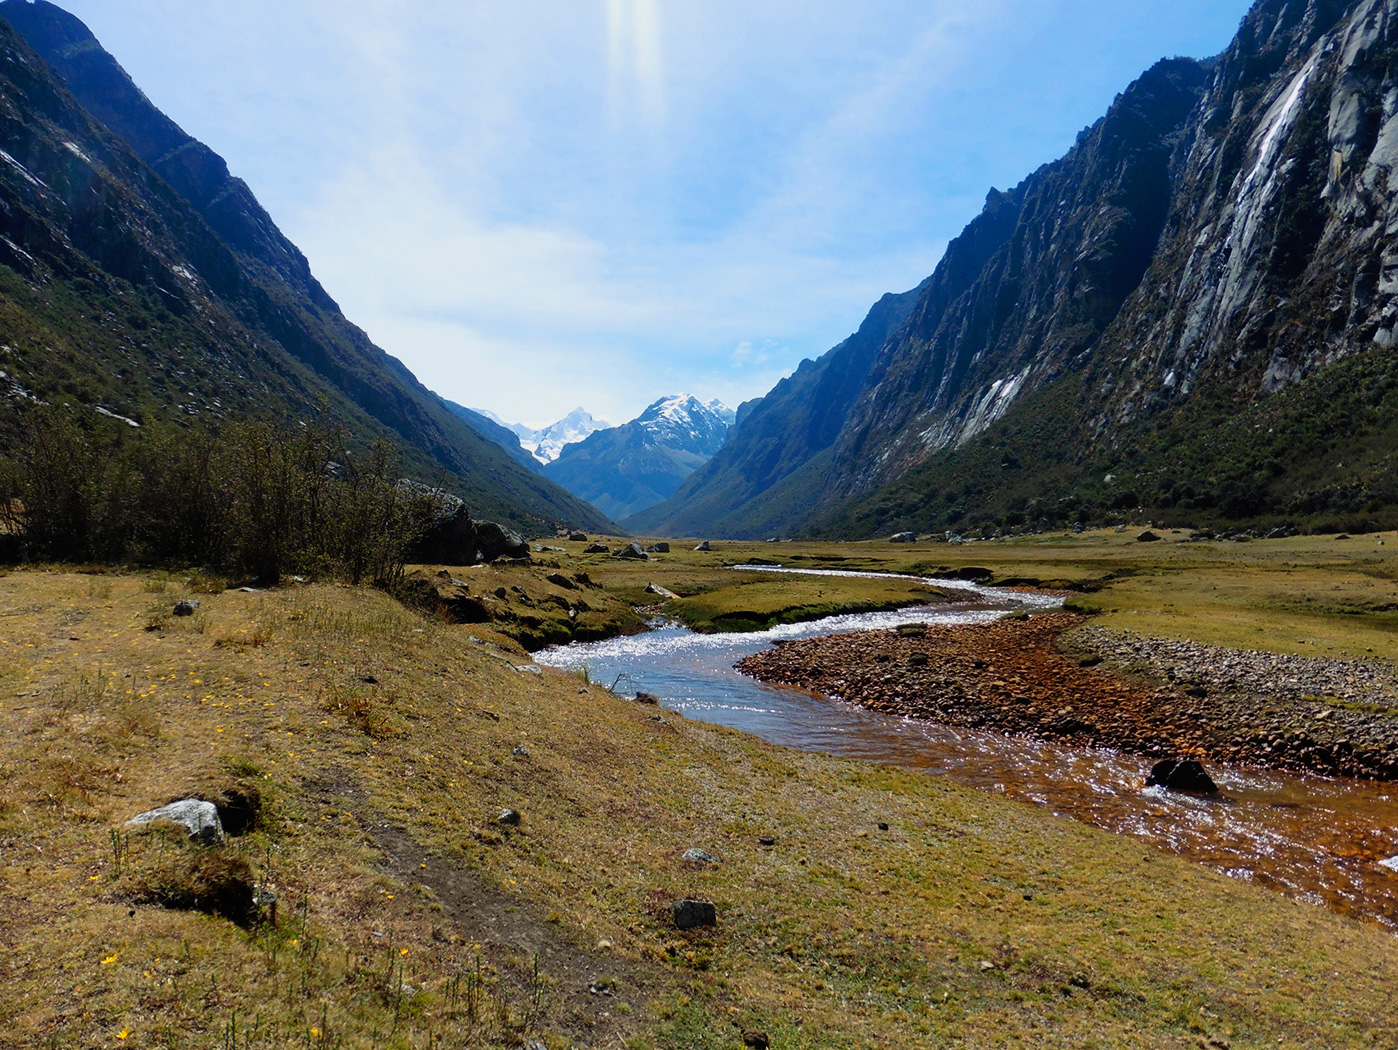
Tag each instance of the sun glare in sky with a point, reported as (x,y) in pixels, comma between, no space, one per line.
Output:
(635,62)
(548,203)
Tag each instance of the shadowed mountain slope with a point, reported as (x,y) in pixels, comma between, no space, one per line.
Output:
(138,276)
(1189,316)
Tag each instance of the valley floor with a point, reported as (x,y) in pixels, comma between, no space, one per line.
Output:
(858,906)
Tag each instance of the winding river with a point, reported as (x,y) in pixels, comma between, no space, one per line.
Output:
(1319,840)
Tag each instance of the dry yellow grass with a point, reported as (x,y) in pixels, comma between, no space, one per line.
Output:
(385,744)
(1313,595)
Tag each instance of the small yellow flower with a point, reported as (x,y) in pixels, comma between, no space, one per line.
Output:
(109,960)
(403,952)
(315,1033)
(124,1033)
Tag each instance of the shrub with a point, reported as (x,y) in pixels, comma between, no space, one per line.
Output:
(247,500)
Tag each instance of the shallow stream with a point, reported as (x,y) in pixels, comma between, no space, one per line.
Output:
(1319,840)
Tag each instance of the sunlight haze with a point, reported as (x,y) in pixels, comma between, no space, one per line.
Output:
(542,205)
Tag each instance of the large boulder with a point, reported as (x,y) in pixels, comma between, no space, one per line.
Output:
(495,541)
(449,540)
(903,537)
(659,548)
(633,551)
(597,548)
(196,816)
(449,534)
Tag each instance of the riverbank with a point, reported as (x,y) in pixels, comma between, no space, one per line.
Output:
(857,905)
(1054,677)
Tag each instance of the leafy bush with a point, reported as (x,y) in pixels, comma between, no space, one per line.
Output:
(247,500)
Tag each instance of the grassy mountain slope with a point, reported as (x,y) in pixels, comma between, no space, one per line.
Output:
(119,292)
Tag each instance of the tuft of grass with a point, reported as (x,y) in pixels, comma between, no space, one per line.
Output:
(207,583)
(157,616)
(371,714)
(257,638)
(178,875)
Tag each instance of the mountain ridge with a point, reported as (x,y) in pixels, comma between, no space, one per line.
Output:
(628,468)
(1218,239)
(117,290)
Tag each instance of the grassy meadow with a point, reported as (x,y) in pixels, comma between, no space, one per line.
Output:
(381,744)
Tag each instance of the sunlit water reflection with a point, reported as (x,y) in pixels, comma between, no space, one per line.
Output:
(1316,839)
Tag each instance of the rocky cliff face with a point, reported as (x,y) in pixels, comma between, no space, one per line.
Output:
(1210,256)
(1078,236)
(137,278)
(1280,255)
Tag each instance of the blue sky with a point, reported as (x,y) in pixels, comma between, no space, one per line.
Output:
(550,203)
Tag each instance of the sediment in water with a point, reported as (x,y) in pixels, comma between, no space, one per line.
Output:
(1013,676)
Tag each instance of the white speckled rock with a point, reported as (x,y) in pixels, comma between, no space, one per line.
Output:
(198,816)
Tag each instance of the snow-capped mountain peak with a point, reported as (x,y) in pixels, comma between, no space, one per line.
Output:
(683,421)
(575,426)
(545,444)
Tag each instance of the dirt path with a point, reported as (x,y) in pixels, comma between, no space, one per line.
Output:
(593,995)
(1011,676)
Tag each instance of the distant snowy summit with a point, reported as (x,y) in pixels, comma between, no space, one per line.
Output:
(628,468)
(683,422)
(546,444)
(620,470)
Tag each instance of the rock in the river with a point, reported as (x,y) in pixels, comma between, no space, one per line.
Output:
(198,817)
(1181,774)
(691,914)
